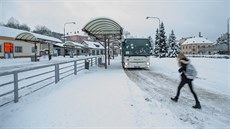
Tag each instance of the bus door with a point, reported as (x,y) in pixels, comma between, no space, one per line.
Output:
(8,50)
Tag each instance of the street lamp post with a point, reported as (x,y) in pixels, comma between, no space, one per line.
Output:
(64,33)
(228,36)
(155,18)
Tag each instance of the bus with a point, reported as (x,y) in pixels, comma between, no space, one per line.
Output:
(136,53)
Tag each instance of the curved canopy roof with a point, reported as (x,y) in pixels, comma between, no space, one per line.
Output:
(103,26)
(25,36)
(69,43)
(33,37)
(72,44)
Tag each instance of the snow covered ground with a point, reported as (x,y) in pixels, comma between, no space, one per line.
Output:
(213,73)
(115,98)
(161,80)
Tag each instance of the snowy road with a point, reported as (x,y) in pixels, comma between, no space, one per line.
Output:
(215,112)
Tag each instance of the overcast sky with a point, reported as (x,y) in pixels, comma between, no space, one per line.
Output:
(185,17)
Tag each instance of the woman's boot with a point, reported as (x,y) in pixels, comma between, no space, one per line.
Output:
(175,99)
(198,106)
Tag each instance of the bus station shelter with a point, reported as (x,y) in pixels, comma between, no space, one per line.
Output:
(104,29)
(37,38)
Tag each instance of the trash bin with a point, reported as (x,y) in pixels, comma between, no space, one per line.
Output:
(86,64)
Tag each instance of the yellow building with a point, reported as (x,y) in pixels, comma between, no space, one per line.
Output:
(197,46)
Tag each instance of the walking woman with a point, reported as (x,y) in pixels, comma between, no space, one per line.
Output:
(183,61)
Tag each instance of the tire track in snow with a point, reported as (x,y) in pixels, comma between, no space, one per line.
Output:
(215,110)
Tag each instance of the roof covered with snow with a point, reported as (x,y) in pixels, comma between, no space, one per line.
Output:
(59,44)
(94,45)
(73,44)
(78,33)
(197,40)
(12,33)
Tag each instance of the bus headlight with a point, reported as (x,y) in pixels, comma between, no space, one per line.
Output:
(147,63)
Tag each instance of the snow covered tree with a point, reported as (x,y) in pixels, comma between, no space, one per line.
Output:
(24,27)
(173,48)
(151,42)
(222,44)
(156,46)
(14,23)
(42,30)
(163,47)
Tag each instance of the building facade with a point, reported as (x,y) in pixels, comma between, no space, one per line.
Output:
(11,48)
(93,48)
(197,46)
(77,38)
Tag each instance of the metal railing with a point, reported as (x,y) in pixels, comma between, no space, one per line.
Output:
(19,83)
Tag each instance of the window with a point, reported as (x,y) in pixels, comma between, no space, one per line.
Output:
(33,50)
(18,49)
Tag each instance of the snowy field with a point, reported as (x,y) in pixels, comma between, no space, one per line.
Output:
(118,99)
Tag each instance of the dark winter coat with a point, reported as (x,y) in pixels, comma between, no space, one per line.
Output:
(183,64)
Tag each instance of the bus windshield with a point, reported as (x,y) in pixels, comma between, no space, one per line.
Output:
(137,47)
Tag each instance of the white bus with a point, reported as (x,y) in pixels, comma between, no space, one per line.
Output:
(136,53)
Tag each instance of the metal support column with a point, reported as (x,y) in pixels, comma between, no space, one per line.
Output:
(56,73)
(108,53)
(49,51)
(228,36)
(15,87)
(35,51)
(75,67)
(105,52)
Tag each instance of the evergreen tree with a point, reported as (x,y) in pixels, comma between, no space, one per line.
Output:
(223,39)
(151,42)
(163,48)
(222,44)
(156,46)
(174,48)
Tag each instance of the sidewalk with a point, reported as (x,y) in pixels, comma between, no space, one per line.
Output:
(99,99)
